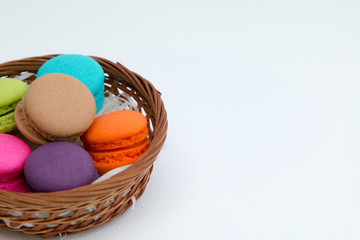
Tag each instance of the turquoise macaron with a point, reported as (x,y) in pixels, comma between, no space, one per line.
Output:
(81,67)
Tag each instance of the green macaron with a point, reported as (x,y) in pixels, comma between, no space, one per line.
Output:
(11,92)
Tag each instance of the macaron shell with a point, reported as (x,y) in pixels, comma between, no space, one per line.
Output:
(95,177)
(58,166)
(7,123)
(114,130)
(13,154)
(99,99)
(83,68)
(59,107)
(11,90)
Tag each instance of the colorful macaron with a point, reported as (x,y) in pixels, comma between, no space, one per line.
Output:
(58,166)
(56,107)
(116,139)
(13,154)
(11,92)
(81,67)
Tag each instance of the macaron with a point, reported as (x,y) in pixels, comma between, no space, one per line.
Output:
(56,107)
(116,139)
(11,92)
(58,166)
(81,67)
(13,154)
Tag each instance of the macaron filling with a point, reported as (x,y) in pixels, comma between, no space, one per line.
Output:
(26,129)
(127,151)
(9,108)
(14,185)
(116,144)
(16,177)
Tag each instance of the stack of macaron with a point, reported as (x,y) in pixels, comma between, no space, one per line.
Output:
(57,108)
(11,92)
(13,155)
(116,139)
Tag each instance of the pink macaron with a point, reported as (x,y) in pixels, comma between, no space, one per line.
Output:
(13,154)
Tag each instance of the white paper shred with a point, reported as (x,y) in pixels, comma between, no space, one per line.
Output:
(114,103)
(111,173)
(24,75)
(41,215)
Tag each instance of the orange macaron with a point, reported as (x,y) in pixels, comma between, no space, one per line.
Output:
(116,139)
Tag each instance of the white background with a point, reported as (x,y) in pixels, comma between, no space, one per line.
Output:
(263,102)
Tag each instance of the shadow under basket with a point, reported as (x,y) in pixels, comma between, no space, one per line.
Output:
(48,214)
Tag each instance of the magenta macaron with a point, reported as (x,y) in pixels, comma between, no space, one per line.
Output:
(13,154)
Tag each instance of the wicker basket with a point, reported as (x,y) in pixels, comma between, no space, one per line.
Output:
(48,214)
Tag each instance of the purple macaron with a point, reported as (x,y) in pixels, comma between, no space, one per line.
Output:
(58,166)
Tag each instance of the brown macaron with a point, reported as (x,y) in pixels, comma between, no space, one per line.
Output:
(56,107)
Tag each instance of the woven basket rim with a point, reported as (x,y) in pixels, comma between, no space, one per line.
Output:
(120,180)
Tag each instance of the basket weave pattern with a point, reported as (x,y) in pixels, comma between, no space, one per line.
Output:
(48,214)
